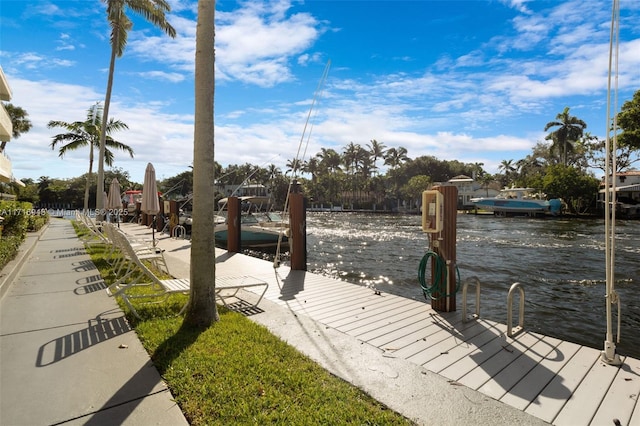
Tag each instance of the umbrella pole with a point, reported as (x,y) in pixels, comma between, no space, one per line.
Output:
(153,231)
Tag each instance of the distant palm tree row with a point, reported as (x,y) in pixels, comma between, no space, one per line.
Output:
(353,175)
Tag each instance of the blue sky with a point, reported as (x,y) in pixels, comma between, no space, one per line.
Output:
(474,81)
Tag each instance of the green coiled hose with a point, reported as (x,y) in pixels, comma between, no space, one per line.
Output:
(440,275)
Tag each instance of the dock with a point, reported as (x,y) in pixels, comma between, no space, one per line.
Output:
(553,381)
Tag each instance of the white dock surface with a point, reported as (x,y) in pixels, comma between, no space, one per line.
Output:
(559,382)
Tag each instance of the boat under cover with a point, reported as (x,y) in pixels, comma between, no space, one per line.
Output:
(257,230)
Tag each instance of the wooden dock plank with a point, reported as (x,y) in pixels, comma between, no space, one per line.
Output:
(528,389)
(635,416)
(318,299)
(622,397)
(429,347)
(348,310)
(381,312)
(311,293)
(488,332)
(583,404)
(503,382)
(482,353)
(463,333)
(416,332)
(501,356)
(548,404)
(370,329)
(398,312)
(395,329)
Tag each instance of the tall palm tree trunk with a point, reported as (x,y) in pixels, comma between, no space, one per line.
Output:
(103,131)
(88,183)
(202,311)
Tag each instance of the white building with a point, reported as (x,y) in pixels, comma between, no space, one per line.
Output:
(6,131)
(627,193)
(469,188)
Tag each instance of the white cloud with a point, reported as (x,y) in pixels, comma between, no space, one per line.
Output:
(254,44)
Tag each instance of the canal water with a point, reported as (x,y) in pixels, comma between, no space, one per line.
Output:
(560,262)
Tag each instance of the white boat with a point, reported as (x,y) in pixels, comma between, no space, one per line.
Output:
(518,201)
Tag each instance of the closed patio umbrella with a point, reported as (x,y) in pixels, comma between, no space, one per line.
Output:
(114,201)
(150,202)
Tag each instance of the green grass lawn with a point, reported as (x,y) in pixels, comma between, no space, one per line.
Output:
(237,372)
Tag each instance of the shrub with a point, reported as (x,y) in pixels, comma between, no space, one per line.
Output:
(18,218)
(15,218)
(35,222)
(8,249)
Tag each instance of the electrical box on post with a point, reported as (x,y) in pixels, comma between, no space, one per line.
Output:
(432,211)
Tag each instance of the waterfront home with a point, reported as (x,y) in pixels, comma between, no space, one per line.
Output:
(627,187)
(469,188)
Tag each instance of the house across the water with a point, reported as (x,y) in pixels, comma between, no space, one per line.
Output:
(627,194)
(469,188)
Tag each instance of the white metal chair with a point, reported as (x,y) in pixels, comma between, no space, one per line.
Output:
(141,275)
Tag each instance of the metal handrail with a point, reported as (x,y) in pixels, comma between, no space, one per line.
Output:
(476,281)
(510,330)
(179,231)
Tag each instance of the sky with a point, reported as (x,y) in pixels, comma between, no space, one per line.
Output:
(474,81)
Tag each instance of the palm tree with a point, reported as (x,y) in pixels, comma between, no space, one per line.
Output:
(273,171)
(508,168)
(569,130)
(202,311)
(350,159)
(154,12)
(21,124)
(329,168)
(394,159)
(294,167)
(477,171)
(376,150)
(329,159)
(82,133)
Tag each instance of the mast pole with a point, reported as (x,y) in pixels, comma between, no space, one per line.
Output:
(609,354)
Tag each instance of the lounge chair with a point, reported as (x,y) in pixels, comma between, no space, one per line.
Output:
(143,248)
(142,275)
(94,234)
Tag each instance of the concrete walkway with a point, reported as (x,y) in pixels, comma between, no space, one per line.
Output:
(67,354)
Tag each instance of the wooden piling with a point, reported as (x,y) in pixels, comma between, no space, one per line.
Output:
(159,218)
(298,231)
(174,216)
(234,210)
(444,244)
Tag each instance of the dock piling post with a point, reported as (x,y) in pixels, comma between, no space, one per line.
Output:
(298,231)
(444,244)
(174,215)
(234,242)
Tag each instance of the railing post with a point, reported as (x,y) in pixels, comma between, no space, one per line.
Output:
(179,231)
(510,330)
(465,285)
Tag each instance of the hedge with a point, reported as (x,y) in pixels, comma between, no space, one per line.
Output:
(18,217)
